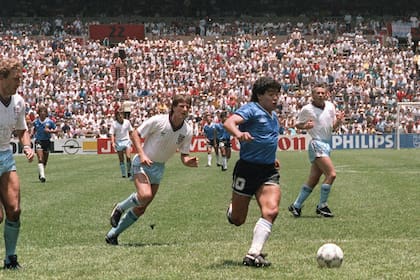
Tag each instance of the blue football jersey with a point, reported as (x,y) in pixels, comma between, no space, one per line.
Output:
(265,130)
(40,126)
(222,133)
(209,130)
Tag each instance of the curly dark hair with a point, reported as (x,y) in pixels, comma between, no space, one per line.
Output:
(262,85)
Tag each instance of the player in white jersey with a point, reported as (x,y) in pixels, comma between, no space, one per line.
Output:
(163,135)
(12,119)
(120,138)
(319,118)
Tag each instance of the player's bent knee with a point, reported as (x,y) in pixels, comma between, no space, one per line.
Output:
(138,211)
(271,214)
(145,198)
(237,221)
(13,215)
(330,178)
(238,224)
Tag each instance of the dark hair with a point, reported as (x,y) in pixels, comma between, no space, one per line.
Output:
(262,85)
(180,98)
(322,85)
(42,108)
(224,114)
(118,112)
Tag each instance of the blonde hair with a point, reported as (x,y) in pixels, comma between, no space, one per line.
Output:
(7,65)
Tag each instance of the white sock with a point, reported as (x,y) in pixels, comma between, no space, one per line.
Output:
(209,159)
(41,170)
(224,162)
(262,231)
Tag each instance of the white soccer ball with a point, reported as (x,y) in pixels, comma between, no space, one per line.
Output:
(329,255)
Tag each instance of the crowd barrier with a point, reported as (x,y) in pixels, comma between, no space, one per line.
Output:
(286,143)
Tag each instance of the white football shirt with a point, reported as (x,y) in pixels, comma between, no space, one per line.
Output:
(323,120)
(161,141)
(12,118)
(121,130)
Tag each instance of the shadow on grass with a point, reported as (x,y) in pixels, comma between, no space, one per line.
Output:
(308,217)
(146,244)
(226,264)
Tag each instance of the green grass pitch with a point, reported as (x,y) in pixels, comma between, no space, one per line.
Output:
(184,234)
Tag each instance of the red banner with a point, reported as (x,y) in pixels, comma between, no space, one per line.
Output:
(199,144)
(116,32)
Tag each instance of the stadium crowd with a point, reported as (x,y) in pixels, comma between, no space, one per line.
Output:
(83,82)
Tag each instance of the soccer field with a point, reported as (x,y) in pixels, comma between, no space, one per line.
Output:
(185,235)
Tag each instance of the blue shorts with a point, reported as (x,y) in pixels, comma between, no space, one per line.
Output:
(317,149)
(7,162)
(154,172)
(122,145)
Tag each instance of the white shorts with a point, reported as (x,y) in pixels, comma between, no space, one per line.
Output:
(122,145)
(153,172)
(317,149)
(7,162)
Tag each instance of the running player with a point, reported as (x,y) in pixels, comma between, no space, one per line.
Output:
(163,135)
(120,132)
(43,127)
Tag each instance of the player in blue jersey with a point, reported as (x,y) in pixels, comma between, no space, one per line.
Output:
(210,132)
(12,120)
(225,145)
(163,136)
(319,118)
(43,127)
(256,173)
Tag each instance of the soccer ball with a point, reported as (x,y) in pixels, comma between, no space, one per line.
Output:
(329,255)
